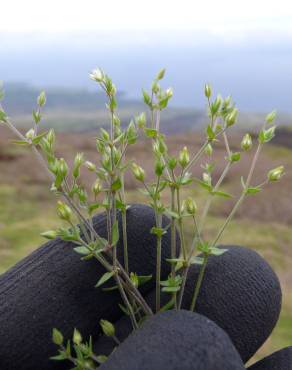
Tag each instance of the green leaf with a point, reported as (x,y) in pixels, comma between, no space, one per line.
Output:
(172,214)
(157,231)
(234,157)
(82,250)
(253,190)
(168,305)
(221,194)
(105,277)
(62,356)
(185,180)
(150,132)
(205,185)
(115,233)
(116,185)
(120,205)
(36,116)
(143,279)
(210,133)
(124,309)
(217,251)
(3,116)
(20,142)
(36,140)
(196,260)
(110,289)
(101,359)
(171,289)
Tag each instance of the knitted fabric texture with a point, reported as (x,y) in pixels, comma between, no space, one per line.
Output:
(53,288)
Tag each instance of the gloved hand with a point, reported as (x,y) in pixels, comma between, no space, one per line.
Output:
(53,288)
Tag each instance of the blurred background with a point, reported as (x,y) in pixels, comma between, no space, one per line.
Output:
(242,48)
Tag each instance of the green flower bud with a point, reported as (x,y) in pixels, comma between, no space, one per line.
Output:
(276,173)
(209,150)
(172,163)
(77,338)
(155,87)
(50,234)
(231,118)
(96,188)
(207,178)
(30,134)
(169,92)
(78,161)
(271,116)
(42,99)
(190,206)
(141,120)
(107,328)
(159,167)
(215,106)
(246,142)
(90,166)
(51,137)
(160,74)
(116,121)
(134,279)
(208,91)
(184,157)
(62,168)
(64,212)
(138,172)
(97,75)
(57,337)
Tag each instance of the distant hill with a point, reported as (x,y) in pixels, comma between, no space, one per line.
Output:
(76,109)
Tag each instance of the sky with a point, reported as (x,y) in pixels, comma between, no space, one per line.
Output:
(214,16)
(243,47)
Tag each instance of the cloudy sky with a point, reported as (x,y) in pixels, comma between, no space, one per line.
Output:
(243,47)
(214,16)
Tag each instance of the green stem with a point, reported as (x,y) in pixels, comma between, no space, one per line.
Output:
(158,264)
(180,224)
(199,282)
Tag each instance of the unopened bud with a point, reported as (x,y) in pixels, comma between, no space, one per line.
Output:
(30,134)
(190,206)
(64,212)
(50,234)
(246,142)
(77,338)
(160,74)
(231,118)
(208,91)
(276,173)
(107,328)
(184,157)
(62,167)
(97,75)
(138,172)
(207,178)
(96,188)
(78,161)
(209,150)
(42,99)
(90,166)
(271,116)
(141,120)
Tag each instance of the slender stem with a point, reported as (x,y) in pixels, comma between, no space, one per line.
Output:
(227,221)
(158,263)
(199,283)
(173,232)
(180,224)
(210,198)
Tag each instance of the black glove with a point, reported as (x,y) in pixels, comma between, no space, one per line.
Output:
(54,288)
